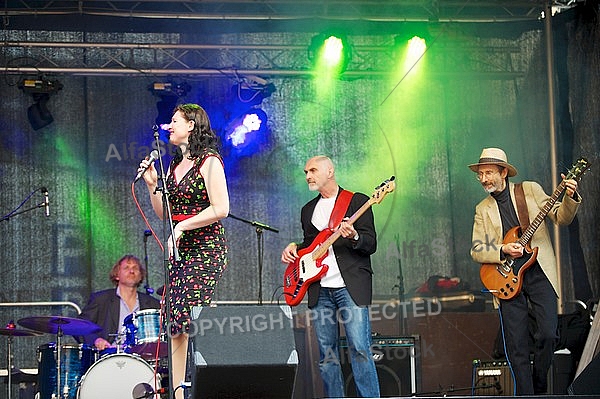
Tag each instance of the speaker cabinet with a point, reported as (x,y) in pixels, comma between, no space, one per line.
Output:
(587,382)
(396,363)
(243,351)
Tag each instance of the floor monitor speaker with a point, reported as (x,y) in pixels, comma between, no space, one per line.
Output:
(588,381)
(243,351)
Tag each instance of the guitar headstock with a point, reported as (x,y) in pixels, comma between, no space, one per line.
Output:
(383,189)
(578,169)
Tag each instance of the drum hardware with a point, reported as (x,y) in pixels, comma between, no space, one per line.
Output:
(11,331)
(59,325)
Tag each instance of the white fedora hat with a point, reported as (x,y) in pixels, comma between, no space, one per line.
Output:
(494,156)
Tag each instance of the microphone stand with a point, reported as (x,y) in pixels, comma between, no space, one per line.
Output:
(402,323)
(167,227)
(260,247)
(400,286)
(7,217)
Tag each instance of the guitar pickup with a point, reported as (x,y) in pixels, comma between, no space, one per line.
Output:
(501,271)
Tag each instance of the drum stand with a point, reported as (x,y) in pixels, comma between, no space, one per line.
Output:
(9,365)
(59,335)
(11,331)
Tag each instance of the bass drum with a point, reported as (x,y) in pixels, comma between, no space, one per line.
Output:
(116,376)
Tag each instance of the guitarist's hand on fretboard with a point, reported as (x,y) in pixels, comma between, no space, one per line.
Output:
(347,230)
(570,186)
(513,249)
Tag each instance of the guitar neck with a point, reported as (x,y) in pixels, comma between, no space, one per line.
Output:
(528,234)
(324,247)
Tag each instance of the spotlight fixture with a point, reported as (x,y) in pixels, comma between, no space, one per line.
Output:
(330,51)
(40,89)
(251,91)
(169,93)
(248,131)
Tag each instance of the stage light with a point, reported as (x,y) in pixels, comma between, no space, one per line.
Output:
(410,49)
(40,89)
(330,52)
(247,132)
(250,91)
(416,48)
(170,94)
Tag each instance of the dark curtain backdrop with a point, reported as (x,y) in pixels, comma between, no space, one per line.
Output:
(425,131)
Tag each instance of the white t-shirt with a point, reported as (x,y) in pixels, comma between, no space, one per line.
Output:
(320,219)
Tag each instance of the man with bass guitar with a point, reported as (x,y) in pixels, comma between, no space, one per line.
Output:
(512,242)
(343,293)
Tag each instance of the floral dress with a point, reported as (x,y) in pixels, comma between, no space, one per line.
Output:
(202,251)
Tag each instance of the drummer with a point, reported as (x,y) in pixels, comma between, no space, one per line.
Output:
(109,308)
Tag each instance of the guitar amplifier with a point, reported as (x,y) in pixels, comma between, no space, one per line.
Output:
(396,360)
(492,378)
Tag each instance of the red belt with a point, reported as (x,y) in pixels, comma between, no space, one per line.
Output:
(179,218)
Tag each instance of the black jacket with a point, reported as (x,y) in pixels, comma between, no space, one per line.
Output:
(103,309)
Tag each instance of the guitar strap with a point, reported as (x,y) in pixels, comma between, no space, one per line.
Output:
(521,206)
(339,209)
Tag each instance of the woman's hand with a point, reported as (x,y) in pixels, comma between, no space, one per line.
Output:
(150,176)
(177,235)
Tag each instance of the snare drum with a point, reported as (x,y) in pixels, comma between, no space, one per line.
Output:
(115,377)
(143,333)
(75,361)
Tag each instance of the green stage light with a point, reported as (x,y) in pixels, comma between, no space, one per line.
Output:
(333,49)
(416,48)
(329,53)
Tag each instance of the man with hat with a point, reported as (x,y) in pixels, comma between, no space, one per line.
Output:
(495,215)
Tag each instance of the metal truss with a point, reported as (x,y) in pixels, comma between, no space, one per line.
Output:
(87,54)
(365,10)
(193,61)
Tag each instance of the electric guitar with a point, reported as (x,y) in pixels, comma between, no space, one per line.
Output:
(307,267)
(505,280)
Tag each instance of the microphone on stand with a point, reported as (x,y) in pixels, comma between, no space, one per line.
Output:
(144,390)
(46,201)
(153,157)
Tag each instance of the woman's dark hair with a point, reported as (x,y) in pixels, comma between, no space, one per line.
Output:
(202,136)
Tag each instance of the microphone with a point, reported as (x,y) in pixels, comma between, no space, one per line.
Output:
(153,157)
(144,390)
(46,201)
(147,233)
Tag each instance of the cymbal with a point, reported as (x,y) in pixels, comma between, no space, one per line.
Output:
(18,332)
(51,324)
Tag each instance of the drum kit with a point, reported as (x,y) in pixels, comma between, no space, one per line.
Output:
(78,371)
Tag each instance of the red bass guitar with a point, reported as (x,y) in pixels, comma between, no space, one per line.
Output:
(308,267)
